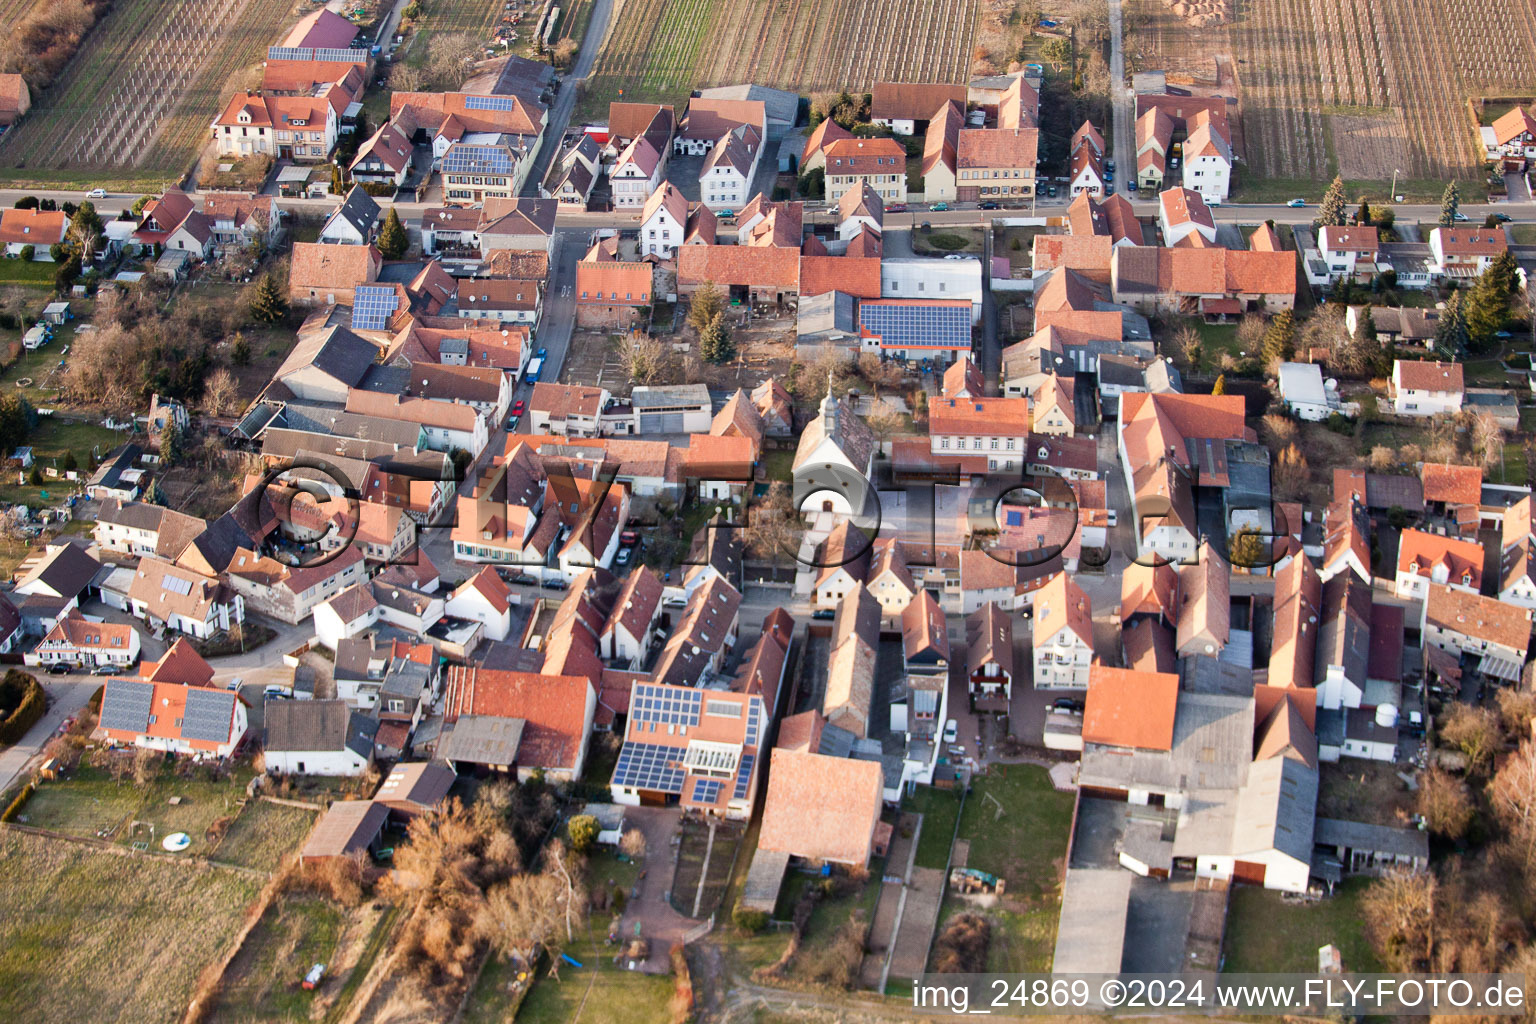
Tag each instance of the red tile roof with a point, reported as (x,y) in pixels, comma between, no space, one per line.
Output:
(554,709)
(821,808)
(1423,375)
(1132,709)
(858,276)
(625,284)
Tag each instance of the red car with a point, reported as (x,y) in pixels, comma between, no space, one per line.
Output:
(517,407)
(896,208)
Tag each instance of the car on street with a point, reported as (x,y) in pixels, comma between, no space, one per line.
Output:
(939,208)
(896,208)
(233,684)
(1130,186)
(1500,218)
(541,353)
(1296,204)
(1109,187)
(989,205)
(518,407)
(1461,216)
(1109,174)
(824,613)
(629,538)
(556,584)
(96,193)
(1067,705)
(1051,191)
(624,555)
(951,731)
(58,668)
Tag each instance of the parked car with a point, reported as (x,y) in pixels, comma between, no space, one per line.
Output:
(624,556)
(629,538)
(522,579)
(58,668)
(313,977)
(957,256)
(541,353)
(1296,204)
(518,407)
(105,670)
(1130,186)
(1109,165)
(1500,218)
(1109,175)
(938,208)
(824,613)
(1051,191)
(896,208)
(234,684)
(989,205)
(951,731)
(556,584)
(1068,705)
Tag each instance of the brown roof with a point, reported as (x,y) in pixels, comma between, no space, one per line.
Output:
(821,808)
(827,132)
(1453,485)
(1182,110)
(1482,618)
(866,156)
(1060,604)
(553,708)
(858,276)
(943,138)
(315,265)
(923,627)
(989,638)
(488,294)
(1185,206)
(1150,590)
(1206,590)
(761,266)
(1471,241)
(992,416)
(1132,709)
(712,118)
(630,120)
(1424,375)
(431,109)
(1089,254)
(1016,148)
(912,101)
(563,400)
(1349,239)
(1298,602)
(613,283)
(1513,123)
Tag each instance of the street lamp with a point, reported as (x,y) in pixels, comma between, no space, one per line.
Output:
(1395,173)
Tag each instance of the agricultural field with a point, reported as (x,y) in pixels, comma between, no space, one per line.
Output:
(136,935)
(661,49)
(1345,87)
(133,108)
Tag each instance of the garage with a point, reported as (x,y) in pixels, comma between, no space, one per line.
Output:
(1248,872)
(661,423)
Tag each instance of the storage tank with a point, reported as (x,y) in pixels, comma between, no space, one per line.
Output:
(1386,715)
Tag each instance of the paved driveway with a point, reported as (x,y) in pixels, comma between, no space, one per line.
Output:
(66,696)
(658,921)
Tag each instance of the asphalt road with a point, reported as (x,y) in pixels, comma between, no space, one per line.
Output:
(565,99)
(66,695)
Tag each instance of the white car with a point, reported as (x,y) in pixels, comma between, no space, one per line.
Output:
(951,731)
(96,193)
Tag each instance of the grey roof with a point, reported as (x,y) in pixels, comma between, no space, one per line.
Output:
(405,679)
(1379,839)
(670,396)
(286,444)
(1090,931)
(346,827)
(135,515)
(838,422)
(1344,629)
(218,543)
(359,210)
(1212,745)
(1384,490)
(208,714)
(1275,809)
(525,79)
(125,705)
(780,105)
(416,784)
(300,726)
(335,351)
(718,546)
(386,380)
(482,739)
(826,316)
(1202,673)
(67,572)
(329,419)
(112,468)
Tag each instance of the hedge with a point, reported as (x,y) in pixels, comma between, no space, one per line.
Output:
(25,697)
(9,814)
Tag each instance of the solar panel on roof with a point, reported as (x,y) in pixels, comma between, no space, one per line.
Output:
(743,776)
(125,705)
(176,584)
(649,766)
(208,715)
(706,791)
(754,723)
(666,705)
(471,159)
(372,306)
(489,103)
(902,325)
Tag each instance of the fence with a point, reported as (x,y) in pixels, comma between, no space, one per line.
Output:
(698,931)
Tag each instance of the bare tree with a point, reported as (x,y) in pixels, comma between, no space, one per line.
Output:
(1445,803)
(885,420)
(1475,732)
(220,392)
(646,358)
(1488,439)
(406,78)
(1382,458)
(450,59)
(1399,913)
(1291,472)
(1250,334)
(632,844)
(1513,796)
(1187,341)
(772,529)
(1517,707)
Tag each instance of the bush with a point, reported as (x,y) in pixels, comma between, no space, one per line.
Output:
(748,921)
(961,947)
(583,832)
(15,806)
(944,240)
(23,702)
(28,253)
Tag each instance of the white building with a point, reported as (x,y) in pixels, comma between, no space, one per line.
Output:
(1063,648)
(1207,161)
(1426,388)
(1306,393)
(485,599)
(317,737)
(725,180)
(1181,213)
(636,174)
(922,277)
(664,222)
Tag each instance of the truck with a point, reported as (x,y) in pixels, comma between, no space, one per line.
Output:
(534,366)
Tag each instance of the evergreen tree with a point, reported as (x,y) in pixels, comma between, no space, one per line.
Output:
(1220,387)
(70,462)
(338,184)
(1487,304)
(393,241)
(706,304)
(1368,327)
(35,478)
(1364,216)
(1331,211)
(1451,332)
(170,445)
(269,304)
(715,342)
(156,494)
(1280,338)
(1450,201)
(240,351)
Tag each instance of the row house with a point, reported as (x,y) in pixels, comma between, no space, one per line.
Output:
(170,597)
(612,294)
(1063,648)
(573,174)
(1208,159)
(291,593)
(504,300)
(905,107)
(1154,143)
(666,223)
(172,707)
(1425,558)
(78,642)
(980,433)
(1495,635)
(1086,162)
(384,159)
(996,164)
(1183,214)
(710,120)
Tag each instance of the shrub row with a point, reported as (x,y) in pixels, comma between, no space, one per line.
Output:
(22,694)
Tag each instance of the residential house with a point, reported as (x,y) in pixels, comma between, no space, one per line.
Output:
(1154,142)
(55,585)
(1055,407)
(879,163)
(1063,647)
(1425,558)
(851,663)
(1396,324)
(317,737)
(569,410)
(171,707)
(1208,159)
(916,329)
(626,636)
(170,597)
(1426,388)
(860,209)
(290,593)
(996,164)
(642,162)
(385,159)
(1510,141)
(79,642)
(1086,161)
(725,179)
(990,662)
(708,121)
(140,529)
(1350,253)
(15,99)
(704,636)
(573,174)
(520,225)
(354,222)
(970,430)
(40,229)
(1182,214)
(814,155)
(663,221)
(1464,252)
(303,129)
(694,748)
(1204,624)
(504,300)
(1498,635)
(941,153)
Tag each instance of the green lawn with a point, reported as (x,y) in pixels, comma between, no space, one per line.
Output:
(610,993)
(90,801)
(1248,189)
(1265,933)
(939,808)
(1218,340)
(294,933)
(90,935)
(778,464)
(264,834)
(27,272)
(947,238)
